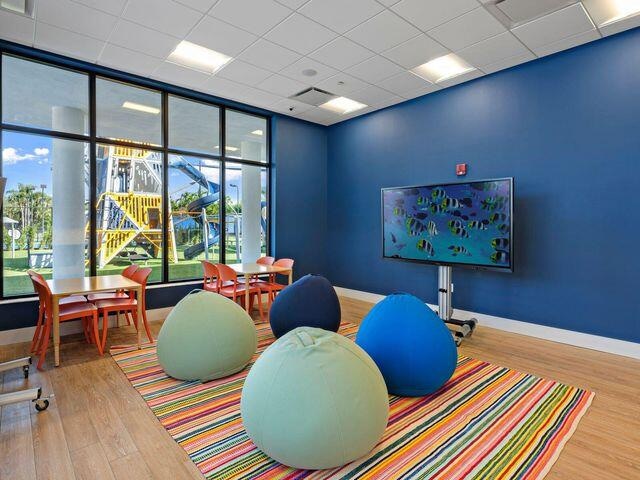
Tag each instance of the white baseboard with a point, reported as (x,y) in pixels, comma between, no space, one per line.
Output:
(20,335)
(578,339)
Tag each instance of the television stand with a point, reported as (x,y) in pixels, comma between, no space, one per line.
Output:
(460,329)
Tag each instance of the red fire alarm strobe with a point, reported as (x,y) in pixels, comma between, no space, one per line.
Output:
(461,169)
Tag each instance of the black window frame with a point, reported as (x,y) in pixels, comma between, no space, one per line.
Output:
(95,71)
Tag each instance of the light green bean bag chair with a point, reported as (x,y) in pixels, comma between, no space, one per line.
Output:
(314,400)
(206,336)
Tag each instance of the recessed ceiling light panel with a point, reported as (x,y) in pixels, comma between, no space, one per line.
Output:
(442,68)
(141,108)
(605,12)
(343,105)
(258,132)
(200,58)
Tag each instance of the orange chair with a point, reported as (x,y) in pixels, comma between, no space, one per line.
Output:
(128,306)
(211,275)
(266,260)
(74,311)
(128,273)
(272,287)
(63,301)
(231,288)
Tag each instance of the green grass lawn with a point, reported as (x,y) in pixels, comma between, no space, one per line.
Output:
(17,282)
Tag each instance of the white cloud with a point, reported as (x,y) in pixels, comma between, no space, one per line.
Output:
(41,152)
(11,156)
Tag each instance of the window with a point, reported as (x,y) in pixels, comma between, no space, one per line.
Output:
(40,96)
(194,194)
(45,208)
(246,212)
(94,184)
(128,113)
(194,126)
(246,136)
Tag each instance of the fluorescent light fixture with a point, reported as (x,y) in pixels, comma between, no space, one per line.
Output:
(343,105)
(16,6)
(199,58)
(605,12)
(442,68)
(258,132)
(232,149)
(141,108)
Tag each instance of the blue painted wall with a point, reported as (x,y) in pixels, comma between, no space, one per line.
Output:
(567,127)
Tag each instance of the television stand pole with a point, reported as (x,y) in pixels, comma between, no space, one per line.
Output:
(460,329)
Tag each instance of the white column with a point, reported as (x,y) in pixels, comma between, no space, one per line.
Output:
(68,195)
(251,196)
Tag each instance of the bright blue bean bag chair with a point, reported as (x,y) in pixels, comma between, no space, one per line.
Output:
(411,345)
(308,302)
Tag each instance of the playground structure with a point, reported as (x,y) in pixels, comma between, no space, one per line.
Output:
(129,211)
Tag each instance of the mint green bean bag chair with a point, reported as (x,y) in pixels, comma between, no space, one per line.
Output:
(314,400)
(206,336)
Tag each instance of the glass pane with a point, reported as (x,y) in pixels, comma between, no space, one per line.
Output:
(44,223)
(246,212)
(194,190)
(42,96)
(125,112)
(194,126)
(246,136)
(129,210)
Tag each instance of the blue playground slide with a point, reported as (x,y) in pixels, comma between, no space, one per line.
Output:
(195,207)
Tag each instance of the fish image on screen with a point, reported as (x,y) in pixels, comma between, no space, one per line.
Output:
(468,224)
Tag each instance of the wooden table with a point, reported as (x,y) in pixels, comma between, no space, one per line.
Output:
(249,269)
(83,286)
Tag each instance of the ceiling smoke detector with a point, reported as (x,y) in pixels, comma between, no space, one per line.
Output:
(313,96)
(309,72)
(516,12)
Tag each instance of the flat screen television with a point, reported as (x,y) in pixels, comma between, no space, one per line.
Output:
(466,224)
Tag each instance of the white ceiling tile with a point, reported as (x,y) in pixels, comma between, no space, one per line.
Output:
(320,115)
(268,55)
(300,34)
(382,32)
(372,95)
(286,104)
(258,97)
(424,90)
(467,29)
(221,87)
(403,83)
(554,27)
(508,62)
(114,7)
(243,72)
(200,5)
(358,113)
(124,59)
(567,43)
(465,77)
(220,36)
(283,86)
(493,49)
(163,15)
(142,39)
(339,15)
(341,53)
(77,18)
(295,71)
(17,28)
(428,14)
(295,4)
(255,16)
(65,42)
(341,84)
(416,51)
(388,3)
(621,25)
(374,69)
(177,75)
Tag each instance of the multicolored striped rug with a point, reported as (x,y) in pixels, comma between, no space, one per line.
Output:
(487,422)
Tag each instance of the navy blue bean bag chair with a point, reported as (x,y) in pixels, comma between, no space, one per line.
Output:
(309,302)
(411,345)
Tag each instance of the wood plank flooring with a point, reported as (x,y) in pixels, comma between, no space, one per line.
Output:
(98,427)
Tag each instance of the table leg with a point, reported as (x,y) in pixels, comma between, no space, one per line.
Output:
(140,318)
(56,330)
(247,283)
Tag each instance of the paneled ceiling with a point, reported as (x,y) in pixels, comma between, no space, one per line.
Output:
(361,49)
